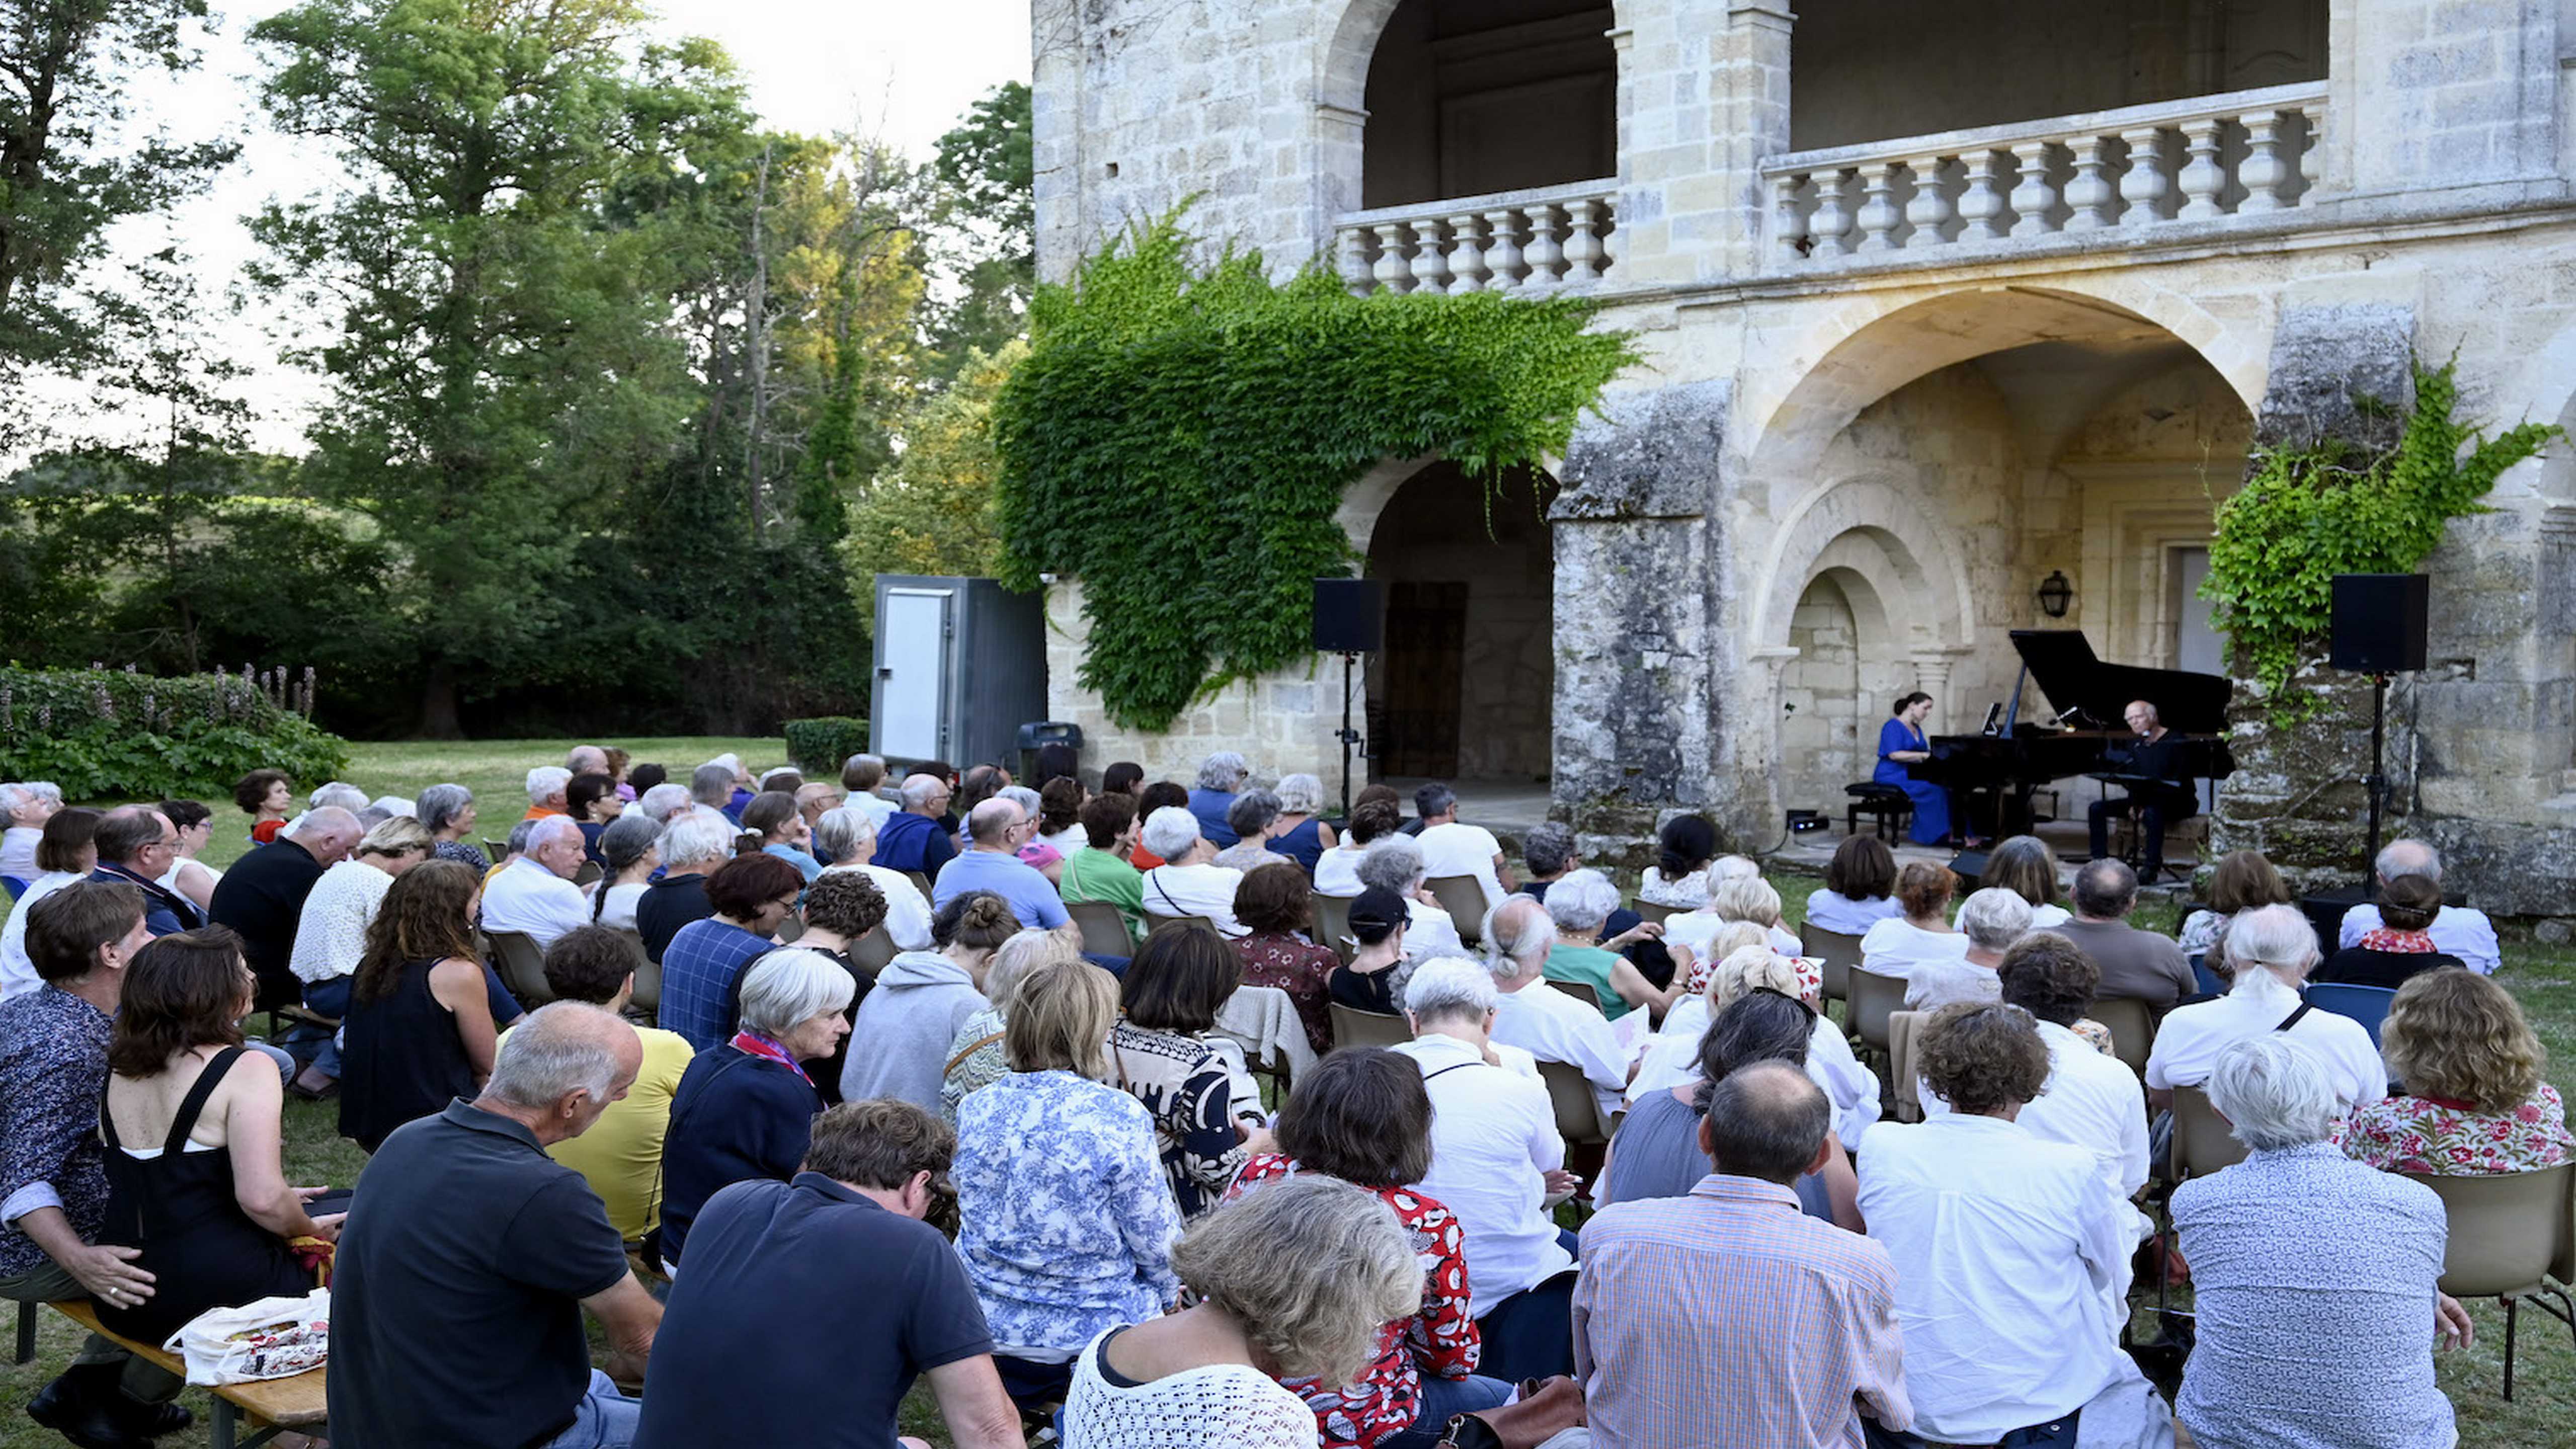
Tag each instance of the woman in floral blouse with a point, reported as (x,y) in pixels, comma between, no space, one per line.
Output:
(1160,1055)
(2474,1102)
(1363,1116)
(1276,901)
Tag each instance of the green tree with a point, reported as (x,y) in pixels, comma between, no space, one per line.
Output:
(987,168)
(934,512)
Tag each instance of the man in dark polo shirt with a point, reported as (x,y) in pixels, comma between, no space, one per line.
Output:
(2136,965)
(469,1255)
(262,896)
(877,1296)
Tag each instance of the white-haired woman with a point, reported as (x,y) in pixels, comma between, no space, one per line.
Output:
(1394,863)
(1302,836)
(1733,897)
(1671,1059)
(849,834)
(1254,817)
(25,806)
(447,813)
(1220,776)
(1992,919)
(975,1056)
(744,1109)
(1188,882)
(2299,1245)
(2272,948)
(1579,903)
(1290,1281)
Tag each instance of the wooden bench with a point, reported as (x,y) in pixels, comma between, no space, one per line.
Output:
(272,1406)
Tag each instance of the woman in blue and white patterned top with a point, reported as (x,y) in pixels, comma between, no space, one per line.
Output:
(1066,1219)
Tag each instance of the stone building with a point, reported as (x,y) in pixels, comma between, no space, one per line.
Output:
(1937,301)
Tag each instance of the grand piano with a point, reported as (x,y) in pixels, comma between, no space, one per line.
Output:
(2013,759)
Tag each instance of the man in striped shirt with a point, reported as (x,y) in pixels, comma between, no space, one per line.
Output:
(1729,1317)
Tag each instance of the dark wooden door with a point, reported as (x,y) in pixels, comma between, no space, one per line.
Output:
(1426,650)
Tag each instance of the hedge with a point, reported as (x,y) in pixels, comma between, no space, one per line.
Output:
(115,735)
(819,745)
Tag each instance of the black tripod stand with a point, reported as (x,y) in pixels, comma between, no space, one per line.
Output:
(1349,737)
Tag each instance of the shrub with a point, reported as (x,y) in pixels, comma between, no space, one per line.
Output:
(117,735)
(818,746)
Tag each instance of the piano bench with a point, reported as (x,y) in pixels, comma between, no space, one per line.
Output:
(1887,806)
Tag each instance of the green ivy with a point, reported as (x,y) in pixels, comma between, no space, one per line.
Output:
(106,734)
(1180,435)
(2310,512)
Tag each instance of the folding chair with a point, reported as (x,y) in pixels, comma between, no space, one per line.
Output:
(1902,1029)
(1874,998)
(1354,1027)
(1463,897)
(873,952)
(1104,930)
(1579,992)
(1655,911)
(1578,1111)
(1839,952)
(2365,1004)
(1332,924)
(2510,1233)
(1156,925)
(648,978)
(2132,1026)
(522,964)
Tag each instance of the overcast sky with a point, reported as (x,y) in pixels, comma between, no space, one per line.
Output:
(899,69)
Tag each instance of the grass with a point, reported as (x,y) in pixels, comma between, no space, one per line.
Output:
(2543,977)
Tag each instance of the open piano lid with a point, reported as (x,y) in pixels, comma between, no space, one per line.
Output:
(2061,661)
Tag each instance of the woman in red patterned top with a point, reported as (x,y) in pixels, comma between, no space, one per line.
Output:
(2474,1100)
(1362,1116)
(1277,902)
(2402,947)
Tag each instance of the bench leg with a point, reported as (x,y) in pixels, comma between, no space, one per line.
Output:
(26,1351)
(226,1425)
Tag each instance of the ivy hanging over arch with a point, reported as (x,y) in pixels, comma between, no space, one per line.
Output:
(1180,436)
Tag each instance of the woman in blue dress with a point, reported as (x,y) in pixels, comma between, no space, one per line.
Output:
(1901,743)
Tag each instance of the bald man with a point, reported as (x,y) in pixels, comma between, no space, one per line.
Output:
(2156,754)
(262,896)
(995,831)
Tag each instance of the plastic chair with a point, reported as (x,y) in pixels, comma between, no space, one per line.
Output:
(2508,1230)
(2365,1004)
(2205,978)
(1655,911)
(1578,1111)
(872,952)
(493,850)
(522,964)
(1332,924)
(1354,1027)
(1104,930)
(589,873)
(1579,992)
(919,881)
(1156,925)
(1903,1027)
(1874,998)
(648,978)
(1839,952)
(1463,897)
(2202,1143)
(15,886)
(2132,1026)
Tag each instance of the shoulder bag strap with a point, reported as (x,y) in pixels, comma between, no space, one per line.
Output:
(2292,1019)
(977,1046)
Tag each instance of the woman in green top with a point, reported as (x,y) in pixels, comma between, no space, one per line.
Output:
(1579,902)
(1099,871)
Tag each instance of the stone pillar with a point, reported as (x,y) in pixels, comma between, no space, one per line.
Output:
(2426,94)
(1703,100)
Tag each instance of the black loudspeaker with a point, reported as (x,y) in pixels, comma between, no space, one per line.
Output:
(2379,622)
(1348,615)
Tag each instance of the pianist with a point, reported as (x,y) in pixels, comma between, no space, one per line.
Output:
(1900,744)
(2159,792)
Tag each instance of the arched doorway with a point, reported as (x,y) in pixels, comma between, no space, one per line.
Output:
(1471,97)
(1464,685)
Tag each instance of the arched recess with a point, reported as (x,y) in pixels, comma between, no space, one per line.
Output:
(1847,658)
(1872,528)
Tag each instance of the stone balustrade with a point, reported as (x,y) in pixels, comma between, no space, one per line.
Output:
(2240,155)
(1534,240)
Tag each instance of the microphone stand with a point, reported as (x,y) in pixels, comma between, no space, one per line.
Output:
(1347,735)
(2376,782)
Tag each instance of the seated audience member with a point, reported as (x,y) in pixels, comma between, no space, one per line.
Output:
(2459,930)
(621,768)
(711,785)
(447,813)
(1160,1051)
(549,788)
(743,1109)
(81,941)
(1187,883)
(1337,871)
(586,760)
(2024,865)
(2474,1102)
(2011,1255)
(2135,965)
(900,1046)
(1657,1152)
(2402,946)
(850,839)
(1362,1116)
(1277,910)
(621,1155)
(2242,880)
(1579,905)
(192,879)
(1291,1281)
(1060,816)
(534,894)
(1253,816)
(268,798)
(1547,854)
(331,931)
(1859,889)
(1302,835)
(1220,776)
(1450,848)
(1679,877)
(1495,1159)
(1895,946)
(839,914)
(1992,919)
(1730,900)
(339,793)
(786,779)
(135,844)
(1394,863)
(631,851)
(992,865)
(1538,1019)
(1794,1321)
(64,854)
(979,784)
(814,800)
(192,1126)
(912,839)
(1160,795)
(24,809)
(1065,1221)
(665,801)
(2091,1099)
(418,1033)
(1671,1058)
(592,802)
(1377,922)
(783,831)
(975,1056)
(842,1250)
(642,778)
(864,776)
(2272,950)
(702,968)
(470,1257)
(2297,1246)
(1100,870)
(693,846)
(1123,777)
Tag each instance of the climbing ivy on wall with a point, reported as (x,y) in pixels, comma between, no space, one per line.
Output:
(1181,432)
(2309,512)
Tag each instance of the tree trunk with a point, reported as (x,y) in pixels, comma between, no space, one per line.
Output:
(438,720)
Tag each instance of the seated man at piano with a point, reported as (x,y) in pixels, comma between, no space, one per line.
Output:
(2156,776)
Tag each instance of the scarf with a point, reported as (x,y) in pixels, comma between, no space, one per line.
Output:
(2411,943)
(761,1045)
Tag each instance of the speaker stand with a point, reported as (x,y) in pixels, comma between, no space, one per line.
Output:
(1348,736)
(2376,781)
